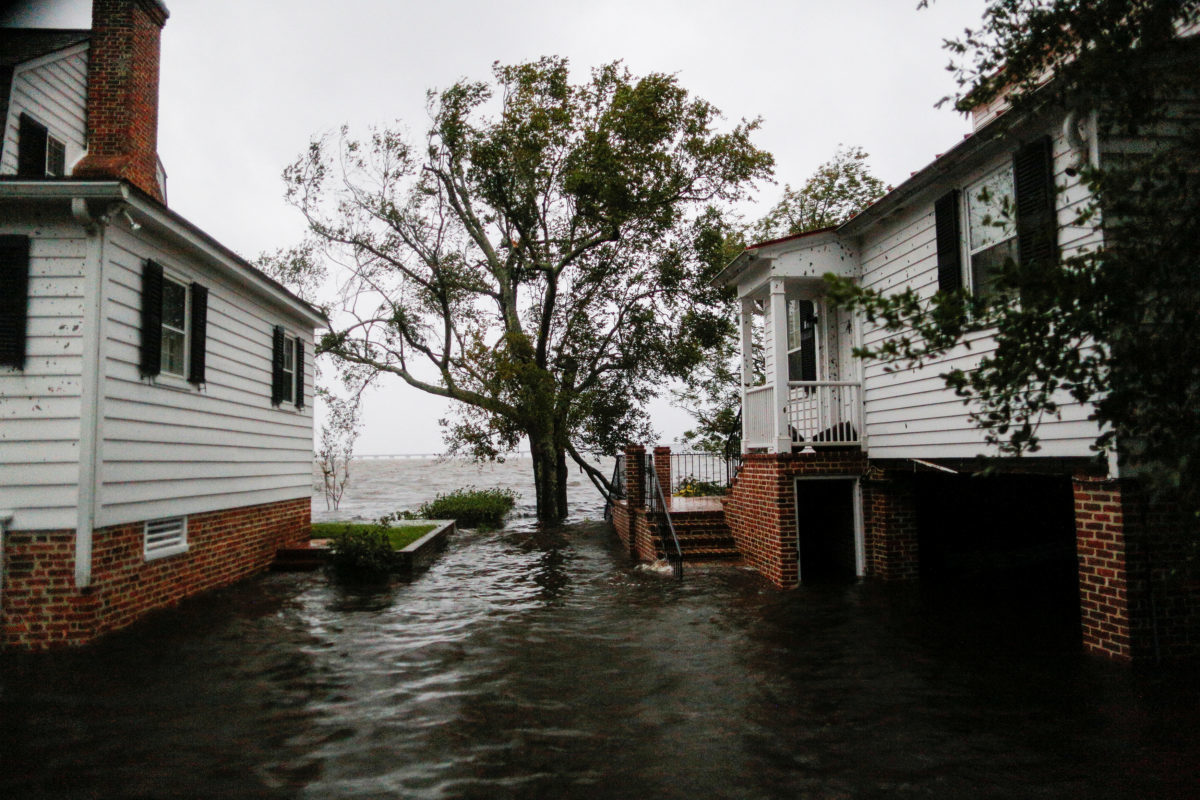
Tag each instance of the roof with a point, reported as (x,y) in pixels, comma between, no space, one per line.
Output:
(18,45)
(750,254)
(150,210)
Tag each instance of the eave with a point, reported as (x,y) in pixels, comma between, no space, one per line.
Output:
(148,212)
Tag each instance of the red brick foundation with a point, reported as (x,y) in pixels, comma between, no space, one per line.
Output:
(42,608)
(761,512)
(1139,593)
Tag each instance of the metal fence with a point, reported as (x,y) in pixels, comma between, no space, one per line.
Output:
(703,473)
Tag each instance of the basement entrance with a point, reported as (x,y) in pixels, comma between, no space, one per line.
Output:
(829,529)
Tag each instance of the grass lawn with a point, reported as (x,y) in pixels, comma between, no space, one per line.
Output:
(400,537)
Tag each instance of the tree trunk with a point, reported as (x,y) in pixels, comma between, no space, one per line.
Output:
(561,469)
(546,480)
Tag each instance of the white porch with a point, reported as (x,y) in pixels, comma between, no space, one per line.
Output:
(801,383)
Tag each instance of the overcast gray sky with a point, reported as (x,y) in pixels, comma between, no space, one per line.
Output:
(246,83)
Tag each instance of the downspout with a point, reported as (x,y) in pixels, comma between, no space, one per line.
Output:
(91,395)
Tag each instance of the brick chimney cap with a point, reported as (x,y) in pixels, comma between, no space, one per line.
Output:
(157,9)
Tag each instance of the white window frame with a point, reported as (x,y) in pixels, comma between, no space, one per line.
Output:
(187,328)
(164,537)
(968,194)
(50,142)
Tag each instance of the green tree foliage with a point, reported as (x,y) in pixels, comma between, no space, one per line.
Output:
(1116,327)
(839,189)
(712,393)
(539,257)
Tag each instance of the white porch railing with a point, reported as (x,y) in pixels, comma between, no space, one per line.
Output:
(824,412)
(758,416)
(817,414)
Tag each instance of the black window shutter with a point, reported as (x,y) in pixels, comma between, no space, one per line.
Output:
(299,366)
(14,299)
(949,242)
(808,342)
(199,333)
(1033,179)
(152,300)
(277,367)
(31,149)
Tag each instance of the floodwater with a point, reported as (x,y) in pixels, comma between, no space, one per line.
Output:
(542,664)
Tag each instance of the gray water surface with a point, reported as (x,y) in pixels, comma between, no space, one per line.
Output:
(543,664)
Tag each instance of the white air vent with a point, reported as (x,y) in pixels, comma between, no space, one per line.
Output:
(165,537)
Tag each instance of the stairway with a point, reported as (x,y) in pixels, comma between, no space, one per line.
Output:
(702,533)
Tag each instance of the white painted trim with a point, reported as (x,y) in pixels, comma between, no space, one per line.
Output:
(782,442)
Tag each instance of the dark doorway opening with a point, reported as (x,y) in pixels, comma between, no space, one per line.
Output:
(825,525)
(1002,549)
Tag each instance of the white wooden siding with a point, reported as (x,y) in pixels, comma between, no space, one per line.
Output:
(53,90)
(169,448)
(910,413)
(39,406)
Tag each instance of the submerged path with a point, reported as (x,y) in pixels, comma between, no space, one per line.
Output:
(544,665)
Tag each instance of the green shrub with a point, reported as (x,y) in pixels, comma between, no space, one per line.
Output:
(363,552)
(471,507)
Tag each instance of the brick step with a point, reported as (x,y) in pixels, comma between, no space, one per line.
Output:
(300,559)
(712,554)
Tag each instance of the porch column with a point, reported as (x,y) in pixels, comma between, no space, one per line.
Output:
(778,345)
(747,363)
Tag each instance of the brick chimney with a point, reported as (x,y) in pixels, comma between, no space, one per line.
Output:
(122,98)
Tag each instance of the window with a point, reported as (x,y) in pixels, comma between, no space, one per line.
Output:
(164,537)
(39,155)
(1009,215)
(287,369)
(801,340)
(991,228)
(174,326)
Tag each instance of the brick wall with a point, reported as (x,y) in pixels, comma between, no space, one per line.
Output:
(890,525)
(1139,592)
(761,507)
(42,608)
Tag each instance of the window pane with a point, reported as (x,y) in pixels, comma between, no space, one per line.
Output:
(289,355)
(172,351)
(174,304)
(986,266)
(56,158)
(289,383)
(793,325)
(990,210)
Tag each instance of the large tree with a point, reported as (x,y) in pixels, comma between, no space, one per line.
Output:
(712,393)
(1117,327)
(540,257)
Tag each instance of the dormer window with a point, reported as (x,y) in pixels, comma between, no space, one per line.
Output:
(39,155)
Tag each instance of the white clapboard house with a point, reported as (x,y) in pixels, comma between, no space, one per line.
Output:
(155,388)
(859,468)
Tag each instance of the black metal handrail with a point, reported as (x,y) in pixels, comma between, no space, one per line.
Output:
(618,486)
(656,503)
